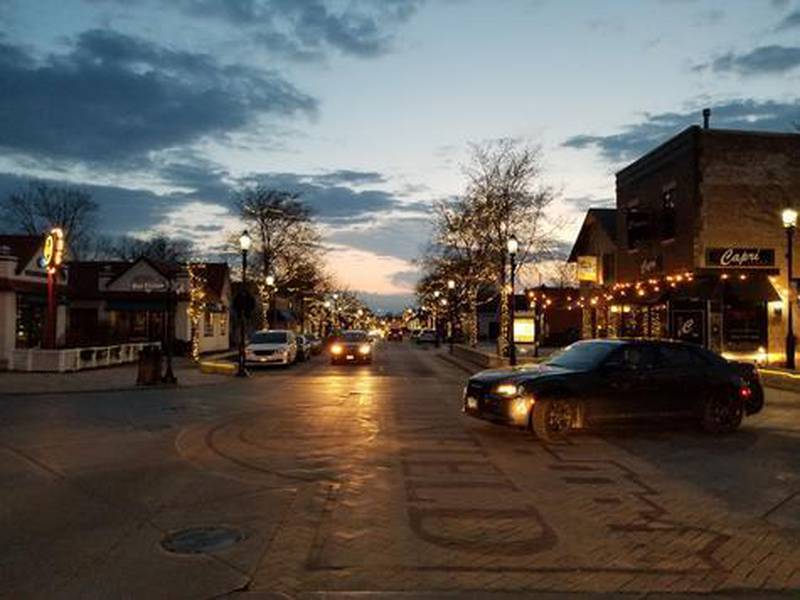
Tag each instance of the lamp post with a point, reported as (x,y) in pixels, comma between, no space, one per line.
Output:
(169,376)
(335,318)
(436,295)
(789,217)
(270,281)
(512,247)
(244,244)
(451,286)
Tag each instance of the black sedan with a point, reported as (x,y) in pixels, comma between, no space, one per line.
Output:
(351,347)
(593,382)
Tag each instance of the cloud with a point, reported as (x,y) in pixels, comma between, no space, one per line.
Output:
(113,98)
(361,270)
(402,237)
(790,21)
(584,203)
(306,30)
(348,176)
(638,138)
(764,60)
(334,203)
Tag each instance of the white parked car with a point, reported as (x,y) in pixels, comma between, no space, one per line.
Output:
(426,336)
(271,346)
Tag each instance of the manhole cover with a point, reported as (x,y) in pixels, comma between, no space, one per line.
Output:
(201,540)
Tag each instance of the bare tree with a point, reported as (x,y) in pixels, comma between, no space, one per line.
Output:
(508,198)
(286,242)
(565,274)
(40,206)
(159,248)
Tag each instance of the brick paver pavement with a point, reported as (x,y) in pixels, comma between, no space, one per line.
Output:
(399,491)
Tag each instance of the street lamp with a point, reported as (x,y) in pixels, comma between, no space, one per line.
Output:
(436,294)
(169,375)
(513,247)
(245,241)
(451,286)
(789,217)
(270,281)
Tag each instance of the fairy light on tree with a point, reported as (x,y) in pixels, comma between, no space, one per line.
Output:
(197,303)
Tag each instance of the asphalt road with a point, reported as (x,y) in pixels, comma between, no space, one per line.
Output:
(369,479)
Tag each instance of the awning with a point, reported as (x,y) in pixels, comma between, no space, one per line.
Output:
(136,305)
(698,289)
(756,288)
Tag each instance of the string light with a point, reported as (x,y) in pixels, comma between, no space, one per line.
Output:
(197,303)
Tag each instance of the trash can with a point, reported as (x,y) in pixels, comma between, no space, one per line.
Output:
(150,360)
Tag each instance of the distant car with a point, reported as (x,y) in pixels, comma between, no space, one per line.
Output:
(271,346)
(395,335)
(303,348)
(594,382)
(427,336)
(351,347)
(314,343)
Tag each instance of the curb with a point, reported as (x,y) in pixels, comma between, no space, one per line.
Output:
(110,390)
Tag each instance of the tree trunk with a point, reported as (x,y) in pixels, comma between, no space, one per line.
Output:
(471,320)
(502,314)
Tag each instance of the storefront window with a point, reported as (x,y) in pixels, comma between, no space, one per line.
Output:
(223,324)
(744,326)
(208,324)
(30,320)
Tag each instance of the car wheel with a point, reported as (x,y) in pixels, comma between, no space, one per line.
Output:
(722,412)
(552,419)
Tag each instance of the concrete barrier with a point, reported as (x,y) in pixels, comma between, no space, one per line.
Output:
(221,368)
(477,357)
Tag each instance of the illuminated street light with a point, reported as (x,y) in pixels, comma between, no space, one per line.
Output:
(245,241)
(512,246)
(789,218)
(451,286)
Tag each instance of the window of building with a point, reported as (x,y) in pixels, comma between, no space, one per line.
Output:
(208,324)
(637,226)
(609,272)
(668,217)
(223,324)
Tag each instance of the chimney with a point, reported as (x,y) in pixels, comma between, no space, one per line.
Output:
(706,117)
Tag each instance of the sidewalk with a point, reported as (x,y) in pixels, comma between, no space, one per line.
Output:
(120,378)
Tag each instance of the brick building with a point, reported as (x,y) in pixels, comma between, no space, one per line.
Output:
(700,246)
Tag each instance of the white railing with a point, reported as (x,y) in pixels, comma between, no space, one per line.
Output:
(76,359)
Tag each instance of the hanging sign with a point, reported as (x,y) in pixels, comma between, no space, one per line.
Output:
(740,258)
(689,326)
(53,251)
(587,268)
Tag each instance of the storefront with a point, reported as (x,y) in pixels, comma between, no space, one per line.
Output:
(698,245)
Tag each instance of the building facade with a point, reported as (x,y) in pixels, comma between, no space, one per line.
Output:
(104,303)
(700,246)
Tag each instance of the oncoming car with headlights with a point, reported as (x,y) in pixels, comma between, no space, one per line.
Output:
(594,382)
(352,347)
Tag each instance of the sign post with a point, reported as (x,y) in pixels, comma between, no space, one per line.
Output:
(52,254)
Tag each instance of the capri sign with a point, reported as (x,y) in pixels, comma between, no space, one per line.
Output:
(740,258)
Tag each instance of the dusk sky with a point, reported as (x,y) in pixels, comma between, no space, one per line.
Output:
(163,107)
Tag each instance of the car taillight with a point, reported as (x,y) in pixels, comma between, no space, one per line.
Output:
(745,392)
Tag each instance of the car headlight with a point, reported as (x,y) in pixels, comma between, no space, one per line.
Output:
(336,349)
(364,349)
(506,389)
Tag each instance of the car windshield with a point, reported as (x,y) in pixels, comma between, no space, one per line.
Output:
(581,356)
(268,337)
(354,336)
